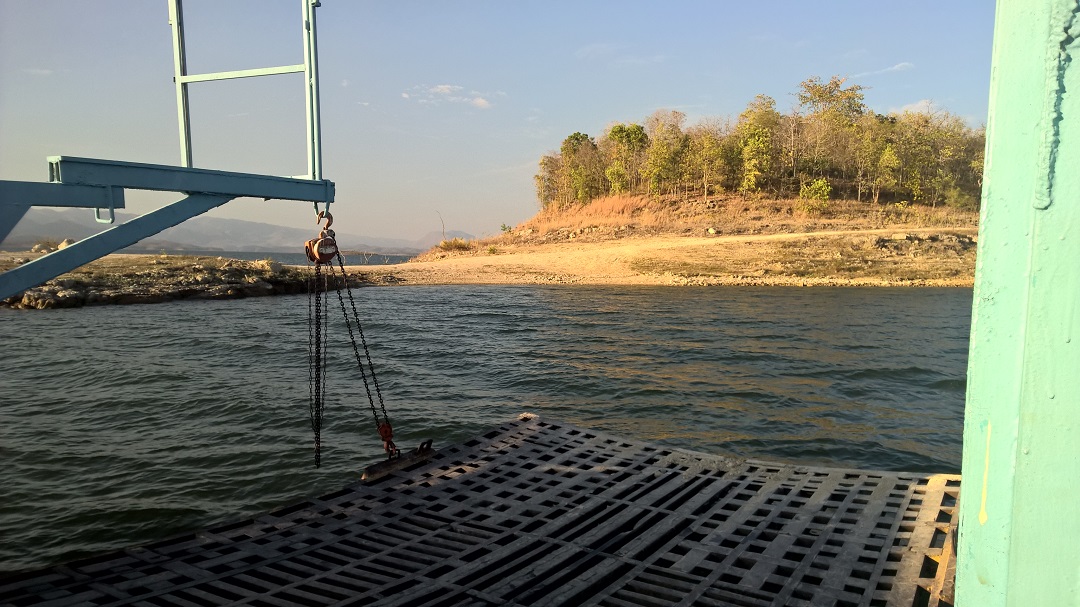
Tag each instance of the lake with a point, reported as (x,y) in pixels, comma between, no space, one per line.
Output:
(126,424)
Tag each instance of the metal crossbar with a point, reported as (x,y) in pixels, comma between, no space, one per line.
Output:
(78,177)
(18,196)
(140,176)
(310,69)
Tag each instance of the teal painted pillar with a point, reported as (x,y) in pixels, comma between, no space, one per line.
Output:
(1019,541)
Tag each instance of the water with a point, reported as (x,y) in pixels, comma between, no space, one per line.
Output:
(126,424)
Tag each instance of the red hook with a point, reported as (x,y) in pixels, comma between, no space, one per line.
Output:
(329,219)
(386,433)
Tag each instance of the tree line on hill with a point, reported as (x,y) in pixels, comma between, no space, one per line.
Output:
(830,145)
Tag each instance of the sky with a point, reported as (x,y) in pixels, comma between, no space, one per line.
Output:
(435,114)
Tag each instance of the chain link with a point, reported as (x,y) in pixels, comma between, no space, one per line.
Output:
(356,351)
(316,356)
(318,317)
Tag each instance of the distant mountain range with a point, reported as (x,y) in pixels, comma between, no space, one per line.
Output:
(205,233)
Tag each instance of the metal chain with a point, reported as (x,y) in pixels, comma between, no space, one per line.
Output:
(356,351)
(316,356)
(318,317)
(325,343)
(311,339)
(363,341)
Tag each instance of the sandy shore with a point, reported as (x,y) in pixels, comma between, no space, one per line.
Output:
(885,257)
(921,257)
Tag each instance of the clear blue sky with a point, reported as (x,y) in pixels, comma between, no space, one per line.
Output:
(444,108)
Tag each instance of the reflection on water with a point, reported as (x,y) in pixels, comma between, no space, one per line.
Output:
(122,425)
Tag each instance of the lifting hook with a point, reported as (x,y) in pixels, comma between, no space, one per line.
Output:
(324,248)
(329,219)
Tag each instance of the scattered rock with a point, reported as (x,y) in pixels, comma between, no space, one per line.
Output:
(67,242)
(258,287)
(39,300)
(69,298)
(268,265)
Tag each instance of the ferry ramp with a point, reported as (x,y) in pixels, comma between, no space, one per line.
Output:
(539,512)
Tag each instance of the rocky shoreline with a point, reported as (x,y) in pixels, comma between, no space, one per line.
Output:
(135,279)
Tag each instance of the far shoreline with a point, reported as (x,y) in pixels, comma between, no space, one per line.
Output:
(883,257)
(403,275)
(917,257)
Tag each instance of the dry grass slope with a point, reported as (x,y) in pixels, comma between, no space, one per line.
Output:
(615,217)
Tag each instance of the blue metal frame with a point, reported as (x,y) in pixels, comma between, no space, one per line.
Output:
(99,184)
(16,197)
(310,69)
(159,177)
(83,252)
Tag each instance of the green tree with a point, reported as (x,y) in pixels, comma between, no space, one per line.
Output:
(667,143)
(815,195)
(582,167)
(832,98)
(930,157)
(755,132)
(706,155)
(547,181)
(915,148)
(873,133)
(623,147)
(832,115)
(756,152)
(957,147)
(886,172)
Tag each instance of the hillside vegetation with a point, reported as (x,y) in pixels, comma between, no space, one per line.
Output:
(829,145)
(638,216)
(895,196)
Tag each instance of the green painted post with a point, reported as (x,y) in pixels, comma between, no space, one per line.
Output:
(1019,541)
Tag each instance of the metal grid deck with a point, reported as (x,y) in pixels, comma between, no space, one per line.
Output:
(544,513)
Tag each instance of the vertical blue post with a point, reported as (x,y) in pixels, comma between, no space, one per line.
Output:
(1019,511)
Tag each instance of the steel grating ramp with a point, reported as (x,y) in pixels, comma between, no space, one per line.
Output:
(538,512)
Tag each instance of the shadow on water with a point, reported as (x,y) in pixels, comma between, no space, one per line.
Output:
(122,425)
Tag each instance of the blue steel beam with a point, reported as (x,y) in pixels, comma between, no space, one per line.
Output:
(311,90)
(83,252)
(10,217)
(16,197)
(140,176)
(39,194)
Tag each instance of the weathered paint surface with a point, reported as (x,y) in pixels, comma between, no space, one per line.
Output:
(1018,538)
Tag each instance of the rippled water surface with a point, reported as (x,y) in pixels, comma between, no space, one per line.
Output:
(122,425)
